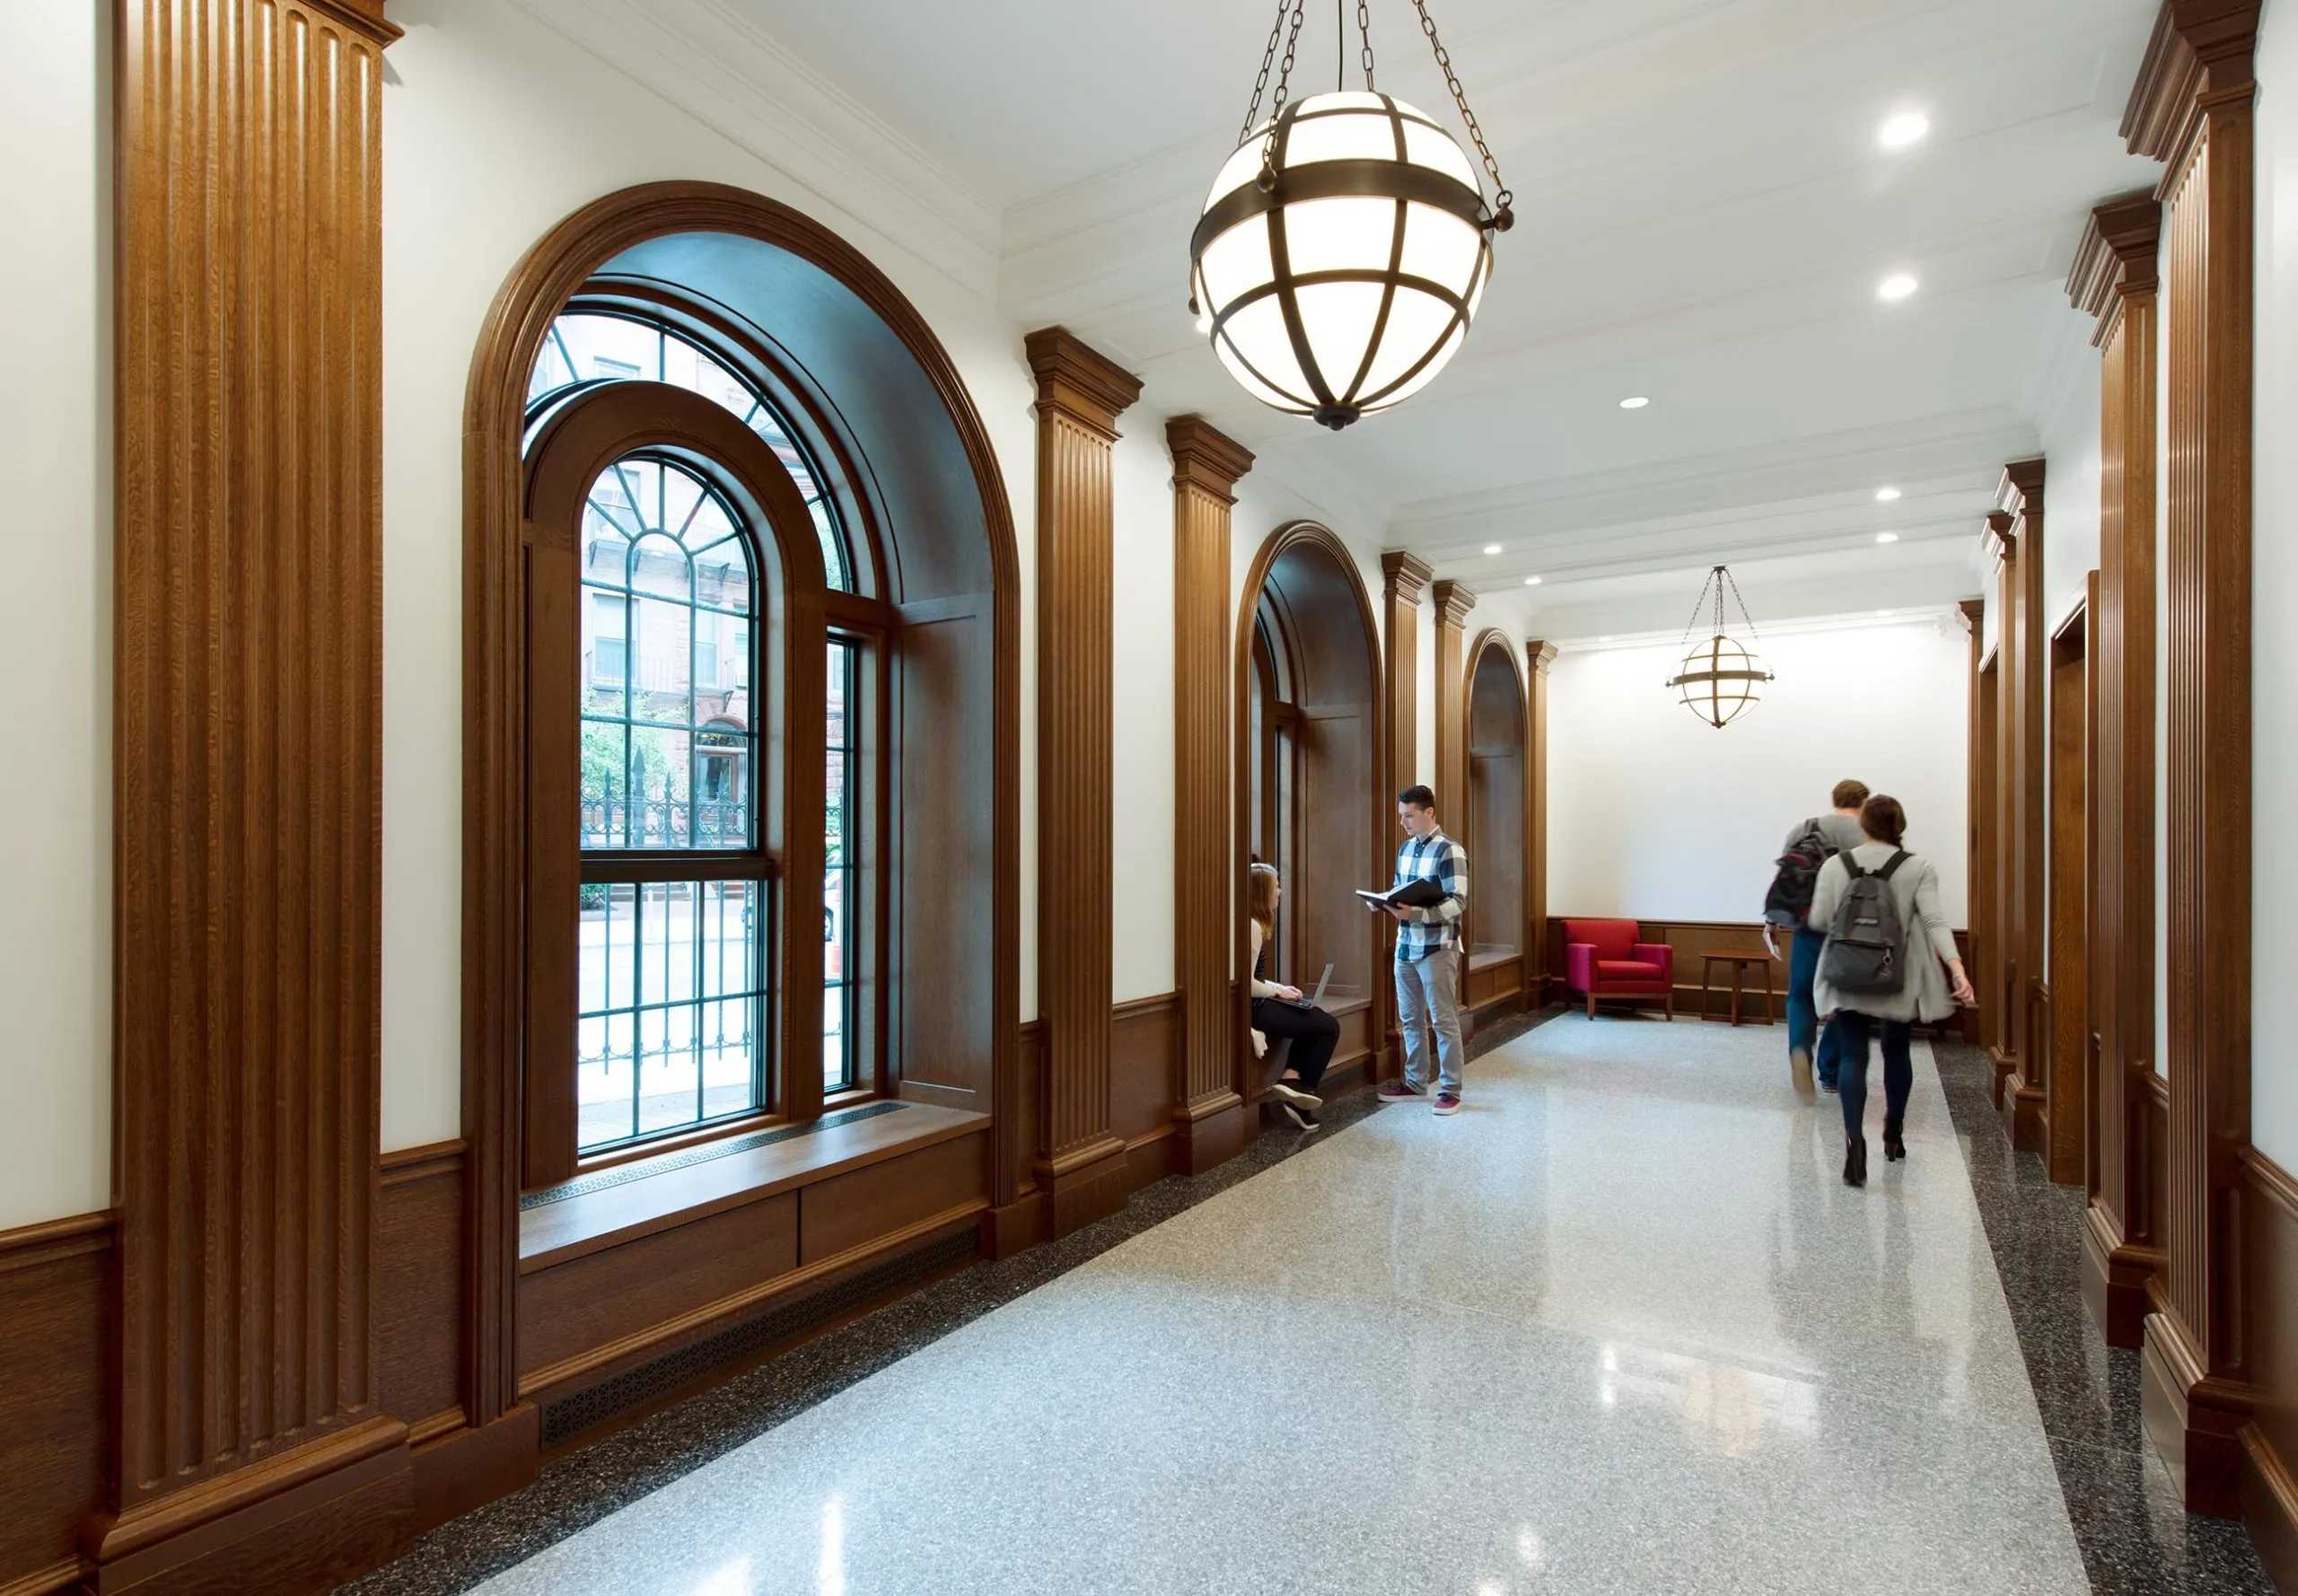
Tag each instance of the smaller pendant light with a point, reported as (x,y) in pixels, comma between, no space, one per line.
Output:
(1721,677)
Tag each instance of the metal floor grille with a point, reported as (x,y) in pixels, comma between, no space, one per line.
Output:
(585,1410)
(584,1185)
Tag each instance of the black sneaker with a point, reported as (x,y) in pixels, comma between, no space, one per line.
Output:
(1293,1092)
(1305,1119)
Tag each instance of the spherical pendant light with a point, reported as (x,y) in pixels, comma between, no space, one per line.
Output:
(1343,249)
(1721,678)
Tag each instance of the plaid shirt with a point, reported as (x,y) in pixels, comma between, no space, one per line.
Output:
(1435,857)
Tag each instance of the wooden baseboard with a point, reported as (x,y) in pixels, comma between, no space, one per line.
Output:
(306,1520)
(2270,1506)
(2115,1279)
(2022,1108)
(2193,1419)
(458,1468)
(42,1581)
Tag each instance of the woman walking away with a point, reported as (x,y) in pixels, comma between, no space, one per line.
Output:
(1889,960)
(1280,1012)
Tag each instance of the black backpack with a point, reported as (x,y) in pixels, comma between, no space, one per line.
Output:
(1789,900)
(1866,950)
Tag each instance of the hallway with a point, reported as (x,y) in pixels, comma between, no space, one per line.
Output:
(1616,1328)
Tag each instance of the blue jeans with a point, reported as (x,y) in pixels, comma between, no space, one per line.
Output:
(1803,1015)
(1899,1071)
(1428,1012)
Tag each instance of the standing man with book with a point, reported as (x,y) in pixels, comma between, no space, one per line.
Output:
(1427,963)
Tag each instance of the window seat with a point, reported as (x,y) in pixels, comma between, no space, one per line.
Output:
(628,1201)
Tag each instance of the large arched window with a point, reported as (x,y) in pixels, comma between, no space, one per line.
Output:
(685,911)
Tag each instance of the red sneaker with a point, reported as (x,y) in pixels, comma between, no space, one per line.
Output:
(1398,1092)
(1448,1102)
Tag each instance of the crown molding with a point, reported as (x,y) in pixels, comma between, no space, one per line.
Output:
(721,69)
(363,17)
(1540,655)
(1078,380)
(1996,536)
(1973,612)
(2199,49)
(1205,458)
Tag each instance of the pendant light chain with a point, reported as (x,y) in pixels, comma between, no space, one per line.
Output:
(1268,59)
(1700,603)
(1753,635)
(1504,215)
(1364,33)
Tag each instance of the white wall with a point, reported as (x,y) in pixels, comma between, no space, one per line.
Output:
(494,129)
(1141,908)
(2071,477)
(1654,814)
(2274,556)
(56,645)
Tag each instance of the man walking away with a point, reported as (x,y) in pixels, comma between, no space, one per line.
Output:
(1428,1004)
(1810,844)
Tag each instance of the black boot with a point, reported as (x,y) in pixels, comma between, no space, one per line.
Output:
(1894,1148)
(1854,1162)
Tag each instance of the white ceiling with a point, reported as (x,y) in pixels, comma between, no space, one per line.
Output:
(1703,213)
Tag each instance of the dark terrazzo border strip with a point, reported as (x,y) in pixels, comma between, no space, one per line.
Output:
(577,1491)
(2134,1538)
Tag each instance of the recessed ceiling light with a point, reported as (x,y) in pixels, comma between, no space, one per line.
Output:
(1884,496)
(1897,285)
(1492,548)
(1899,131)
(1607,637)
(1886,536)
(1532,582)
(1636,403)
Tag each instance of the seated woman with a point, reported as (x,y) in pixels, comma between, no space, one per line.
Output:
(1279,1011)
(1930,985)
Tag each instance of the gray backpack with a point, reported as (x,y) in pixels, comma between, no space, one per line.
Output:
(1866,950)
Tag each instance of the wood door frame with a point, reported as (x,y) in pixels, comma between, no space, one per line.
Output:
(1492,640)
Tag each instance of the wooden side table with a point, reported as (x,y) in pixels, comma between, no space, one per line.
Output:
(1738,963)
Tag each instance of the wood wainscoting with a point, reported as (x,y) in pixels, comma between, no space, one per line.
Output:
(56,1282)
(2270,1264)
(1692,940)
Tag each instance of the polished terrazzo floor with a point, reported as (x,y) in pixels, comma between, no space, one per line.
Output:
(1615,1328)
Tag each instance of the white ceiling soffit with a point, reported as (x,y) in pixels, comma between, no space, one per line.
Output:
(713,61)
(1704,214)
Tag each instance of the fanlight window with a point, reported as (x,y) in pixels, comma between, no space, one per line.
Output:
(587,347)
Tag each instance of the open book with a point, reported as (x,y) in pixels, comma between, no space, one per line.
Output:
(1420,892)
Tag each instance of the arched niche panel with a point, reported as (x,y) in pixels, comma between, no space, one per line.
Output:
(1497,817)
(1310,795)
(841,349)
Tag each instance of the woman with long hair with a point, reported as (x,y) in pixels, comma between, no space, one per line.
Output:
(1931,979)
(1280,1012)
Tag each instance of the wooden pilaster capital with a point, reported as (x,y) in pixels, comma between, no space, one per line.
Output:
(364,17)
(1999,539)
(2021,491)
(1540,655)
(1455,600)
(1974,614)
(1078,381)
(2116,258)
(2200,54)
(1204,458)
(1404,576)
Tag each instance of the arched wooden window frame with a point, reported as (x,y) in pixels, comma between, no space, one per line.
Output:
(962,588)
(1343,866)
(586,434)
(1495,848)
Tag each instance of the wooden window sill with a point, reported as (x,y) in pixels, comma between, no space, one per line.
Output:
(646,1202)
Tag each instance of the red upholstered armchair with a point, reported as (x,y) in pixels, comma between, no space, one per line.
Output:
(1602,958)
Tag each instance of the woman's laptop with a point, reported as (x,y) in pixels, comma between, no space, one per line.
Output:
(1317,996)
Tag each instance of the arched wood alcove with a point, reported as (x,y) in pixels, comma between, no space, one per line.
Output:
(1498,824)
(831,341)
(1310,797)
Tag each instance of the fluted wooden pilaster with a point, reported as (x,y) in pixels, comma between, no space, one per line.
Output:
(1455,600)
(247,745)
(1538,656)
(2025,1059)
(2192,109)
(1207,1111)
(2114,279)
(1081,393)
(1404,579)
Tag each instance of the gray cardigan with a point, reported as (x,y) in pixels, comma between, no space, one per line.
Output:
(1915,892)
